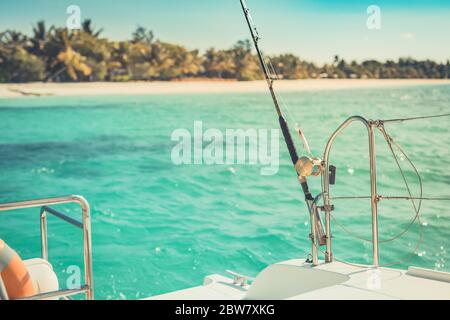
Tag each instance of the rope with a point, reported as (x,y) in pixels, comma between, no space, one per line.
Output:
(415,198)
(416,118)
(402,261)
(350,197)
(390,198)
(417,209)
(389,140)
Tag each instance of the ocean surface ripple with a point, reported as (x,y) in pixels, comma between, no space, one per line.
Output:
(159,227)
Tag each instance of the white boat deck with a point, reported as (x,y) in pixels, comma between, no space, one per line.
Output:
(297,280)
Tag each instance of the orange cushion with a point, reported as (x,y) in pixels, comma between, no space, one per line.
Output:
(15,276)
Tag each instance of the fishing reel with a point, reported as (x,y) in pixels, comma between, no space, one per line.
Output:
(307,167)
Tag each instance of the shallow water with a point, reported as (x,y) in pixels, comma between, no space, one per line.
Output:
(159,227)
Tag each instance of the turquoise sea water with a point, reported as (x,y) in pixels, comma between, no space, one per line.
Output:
(159,227)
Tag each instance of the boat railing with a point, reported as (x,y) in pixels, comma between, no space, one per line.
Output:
(370,125)
(85,225)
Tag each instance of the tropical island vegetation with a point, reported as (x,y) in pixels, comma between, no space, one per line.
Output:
(58,55)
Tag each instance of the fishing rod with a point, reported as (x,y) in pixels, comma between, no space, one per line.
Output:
(304,166)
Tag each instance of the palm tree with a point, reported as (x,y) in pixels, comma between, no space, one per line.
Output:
(142,35)
(118,67)
(219,64)
(57,54)
(13,38)
(86,26)
(447,67)
(63,58)
(40,38)
(17,64)
(247,65)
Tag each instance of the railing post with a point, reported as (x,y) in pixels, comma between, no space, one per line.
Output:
(312,213)
(88,272)
(373,193)
(86,226)
(44,243)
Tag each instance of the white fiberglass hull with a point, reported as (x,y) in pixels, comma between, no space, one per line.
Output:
(298,280)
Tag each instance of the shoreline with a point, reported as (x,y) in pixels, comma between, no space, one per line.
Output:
(38,89)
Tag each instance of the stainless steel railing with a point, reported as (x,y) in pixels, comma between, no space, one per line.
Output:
(85,225)
(370,125)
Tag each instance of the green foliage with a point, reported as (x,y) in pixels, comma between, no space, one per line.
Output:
(289,66)
(246,64)
(219,64)
(56,54)
(142,35)
(16,63)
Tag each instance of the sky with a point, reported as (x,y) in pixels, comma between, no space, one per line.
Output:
(315,30)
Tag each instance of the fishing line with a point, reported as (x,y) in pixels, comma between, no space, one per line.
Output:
(296,160)
(284,106)
(297,126)
(270,76)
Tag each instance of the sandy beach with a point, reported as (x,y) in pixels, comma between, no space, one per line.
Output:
(180,87)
